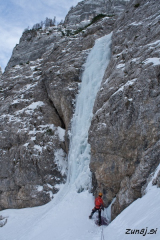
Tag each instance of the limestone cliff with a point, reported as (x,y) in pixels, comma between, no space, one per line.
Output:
(0,72)
(86,10)
(38,90)
(125,134)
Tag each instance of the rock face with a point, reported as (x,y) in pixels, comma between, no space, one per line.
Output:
(37,99)
(33,44)
(125,130)
(86,10)
(31,137)
(0,72)
(37,93)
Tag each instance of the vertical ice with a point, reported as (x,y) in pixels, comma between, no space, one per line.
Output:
(79,153)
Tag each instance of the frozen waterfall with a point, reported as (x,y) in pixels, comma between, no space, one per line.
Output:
(79,152)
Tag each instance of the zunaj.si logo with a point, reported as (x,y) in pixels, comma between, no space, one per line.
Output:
(142,231)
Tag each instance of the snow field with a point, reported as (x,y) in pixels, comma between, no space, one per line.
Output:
(66,218)
(141,214)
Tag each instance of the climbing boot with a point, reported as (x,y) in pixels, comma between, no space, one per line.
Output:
(91,215)
(99,223)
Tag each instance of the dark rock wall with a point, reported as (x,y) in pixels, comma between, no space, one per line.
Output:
(125,130)
(86,10)
(37,93)
(32,45)
(29,135)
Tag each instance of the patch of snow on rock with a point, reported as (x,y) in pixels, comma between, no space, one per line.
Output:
(154,60)
(60,160)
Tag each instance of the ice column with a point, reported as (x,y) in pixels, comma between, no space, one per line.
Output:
(79,175)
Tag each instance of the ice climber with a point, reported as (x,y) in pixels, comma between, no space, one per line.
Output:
(99,205)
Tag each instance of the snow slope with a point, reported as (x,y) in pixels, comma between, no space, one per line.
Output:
(141,214)
(66,218)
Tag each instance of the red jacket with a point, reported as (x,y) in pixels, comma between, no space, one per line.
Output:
(99,202)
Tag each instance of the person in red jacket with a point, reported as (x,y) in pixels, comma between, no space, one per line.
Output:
(99,205)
